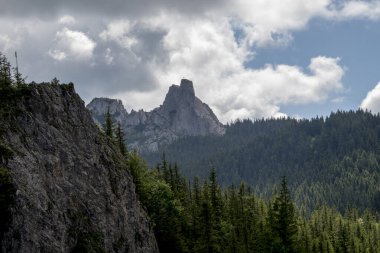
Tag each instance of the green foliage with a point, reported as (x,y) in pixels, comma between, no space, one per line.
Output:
(158,198)
(120,139)
(12,88)
(333,160)
(9,78)
(108,125)
(6,79)
(203,217)
(282,221)
(55,81)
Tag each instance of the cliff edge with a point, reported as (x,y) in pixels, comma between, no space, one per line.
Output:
(70,187)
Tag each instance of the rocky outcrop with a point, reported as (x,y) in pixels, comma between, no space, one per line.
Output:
(181,114)
(73,190)
(103,105)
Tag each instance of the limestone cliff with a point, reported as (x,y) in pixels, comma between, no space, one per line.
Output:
(181,114)
(72,189)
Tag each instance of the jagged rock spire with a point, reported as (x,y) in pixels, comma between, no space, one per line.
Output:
(181,114)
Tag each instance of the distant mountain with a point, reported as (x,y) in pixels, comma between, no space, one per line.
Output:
(182,114)
(99,106)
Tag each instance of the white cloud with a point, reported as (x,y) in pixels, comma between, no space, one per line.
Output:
(177,39)
(119,31)
(206,52)
(57,54)
(270,22)
(359,9)
(262,92)
(372,100)
(67,20)
(75,44)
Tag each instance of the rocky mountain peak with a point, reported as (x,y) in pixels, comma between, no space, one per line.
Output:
(181,114)
(100,106)
(177,95)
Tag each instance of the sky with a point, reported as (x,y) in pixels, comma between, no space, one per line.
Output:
(246,58)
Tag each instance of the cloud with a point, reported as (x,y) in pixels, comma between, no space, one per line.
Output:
(113,8)
(206,52)
(7,43)
(372,100)
(270,22)
(359,9)
(57,54)
(67,20)
(119,32)
(108,56)
(262,92)
(74,44)
(139,47)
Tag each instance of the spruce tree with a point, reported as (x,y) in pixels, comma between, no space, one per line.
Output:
(121,140)
(284,226)
(5,72)
(108,124)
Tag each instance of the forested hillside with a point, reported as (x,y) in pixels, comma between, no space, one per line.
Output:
(332,160)
(204,217)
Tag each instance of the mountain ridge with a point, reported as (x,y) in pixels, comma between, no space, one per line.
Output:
(181,114)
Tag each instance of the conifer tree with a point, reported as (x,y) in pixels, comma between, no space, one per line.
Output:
(284,226)
(55,81)
(121,140)
(108,124)
(5,72)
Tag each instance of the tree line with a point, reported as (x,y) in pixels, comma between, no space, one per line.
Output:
(330,160)
(202,216)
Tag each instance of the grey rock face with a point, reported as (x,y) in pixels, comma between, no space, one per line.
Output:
(71,183)
(99,106)
(181,114)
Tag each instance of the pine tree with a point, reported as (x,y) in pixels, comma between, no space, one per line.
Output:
(284,226)
(121,140)
(5,72)
(108,125)
(55,81)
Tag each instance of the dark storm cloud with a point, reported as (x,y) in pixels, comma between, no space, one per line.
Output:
(124,69)
(150,46)
(110,8)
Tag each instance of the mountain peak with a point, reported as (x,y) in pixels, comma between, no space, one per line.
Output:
(187,86)
(100,106)
(180,94)
(181,114)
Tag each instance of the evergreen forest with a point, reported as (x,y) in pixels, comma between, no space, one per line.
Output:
(206,217)
(330,160)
